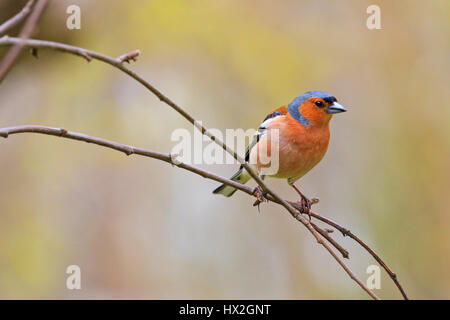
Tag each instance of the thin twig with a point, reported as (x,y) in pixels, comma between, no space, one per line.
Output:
(10,23)
(347,232)
(14,52)
(325,234)
(130,56)
(114,62)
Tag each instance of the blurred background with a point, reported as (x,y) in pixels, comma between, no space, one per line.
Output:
(139,228)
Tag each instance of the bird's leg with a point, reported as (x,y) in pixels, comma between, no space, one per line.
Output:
(305,203)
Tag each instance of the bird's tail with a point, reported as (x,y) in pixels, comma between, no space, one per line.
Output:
(242,176)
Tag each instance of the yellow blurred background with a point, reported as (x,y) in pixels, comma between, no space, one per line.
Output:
(139,228)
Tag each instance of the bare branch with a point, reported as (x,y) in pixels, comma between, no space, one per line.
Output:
(10,23)
(347,232)
(26,32)
(325,234)
(128,150)
(130,56)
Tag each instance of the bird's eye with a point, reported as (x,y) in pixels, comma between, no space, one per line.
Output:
(319,104)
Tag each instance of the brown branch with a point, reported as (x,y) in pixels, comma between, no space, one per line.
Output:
(10,23)
(130,56)
(26,32)
(88,54)
(347,232)
(325,234)
(128,150)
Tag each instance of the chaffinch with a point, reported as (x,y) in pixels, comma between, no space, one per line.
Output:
(301,140)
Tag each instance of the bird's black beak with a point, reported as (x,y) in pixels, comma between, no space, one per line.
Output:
(336,108)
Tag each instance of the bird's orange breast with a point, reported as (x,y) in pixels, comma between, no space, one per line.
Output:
(300,148)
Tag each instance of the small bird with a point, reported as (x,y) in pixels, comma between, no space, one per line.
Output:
(302,138)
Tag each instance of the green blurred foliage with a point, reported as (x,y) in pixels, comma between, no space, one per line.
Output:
(141,229)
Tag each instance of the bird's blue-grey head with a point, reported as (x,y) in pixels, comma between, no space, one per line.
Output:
(322,100)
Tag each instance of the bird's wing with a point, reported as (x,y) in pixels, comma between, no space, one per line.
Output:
(281,111)
(263,128)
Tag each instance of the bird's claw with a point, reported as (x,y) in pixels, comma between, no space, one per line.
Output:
(259,194)
(305,205)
